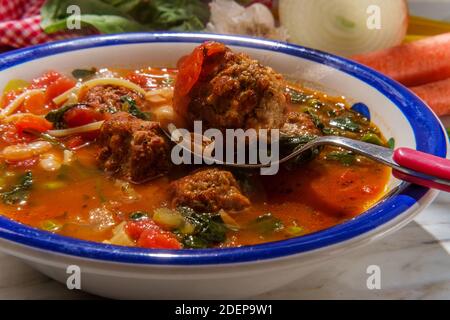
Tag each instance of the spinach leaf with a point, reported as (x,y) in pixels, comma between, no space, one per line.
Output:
(209,229)
(138,215)
(57,116)
(83,74)
(266,224)
(344,157)
(391,143)
(117,16)
(296,96)
(292,144)
(345,123)
(373,139)
(315,118)
(129,105)
(20,192)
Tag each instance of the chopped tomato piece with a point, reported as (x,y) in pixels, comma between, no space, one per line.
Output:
(58,87)
(158,239)
(150,235)
(44,80)
(35,104)
(189,71)
(135,228)
(140,79)
(74,142)
(31,122)
(9,135)
(81,115)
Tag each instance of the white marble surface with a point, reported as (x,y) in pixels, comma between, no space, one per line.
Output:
(414,262)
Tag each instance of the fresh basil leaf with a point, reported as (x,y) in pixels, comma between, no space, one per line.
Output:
(114,16)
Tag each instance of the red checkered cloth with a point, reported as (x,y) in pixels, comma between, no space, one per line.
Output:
(20,24)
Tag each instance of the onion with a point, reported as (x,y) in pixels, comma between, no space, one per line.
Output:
(345,27)
(120,236)
(94,126)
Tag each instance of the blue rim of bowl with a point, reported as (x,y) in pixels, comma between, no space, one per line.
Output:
(429,136)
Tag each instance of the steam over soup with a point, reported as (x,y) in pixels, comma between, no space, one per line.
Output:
(85,155)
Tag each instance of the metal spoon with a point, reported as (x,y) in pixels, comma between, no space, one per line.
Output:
(408,164)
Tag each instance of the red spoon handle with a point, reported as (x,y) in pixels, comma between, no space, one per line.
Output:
(421,182)
(423,162)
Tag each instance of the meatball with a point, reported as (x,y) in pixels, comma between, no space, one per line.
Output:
(132,148)
(229,90)
(299,124)
(108,99)
(208,190)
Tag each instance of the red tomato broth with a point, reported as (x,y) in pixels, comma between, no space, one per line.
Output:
(315,196)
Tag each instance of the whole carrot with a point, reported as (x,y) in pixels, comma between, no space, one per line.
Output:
(414,63)
(436,95)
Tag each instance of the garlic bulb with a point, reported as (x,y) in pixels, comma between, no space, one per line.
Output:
(229,17)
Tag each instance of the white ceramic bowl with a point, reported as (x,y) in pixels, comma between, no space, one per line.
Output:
(122,272)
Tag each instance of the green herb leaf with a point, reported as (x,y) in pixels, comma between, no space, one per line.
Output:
(373,139)
(50,226)
(344,157)
(345,123)
(138,215)
(391,143)
(83,74)
(296,96)
(292,144)
(315,118)
(294,231)
(266,224)
(117,16)
(20,192)
(57,116)
(209,229)
(131,107)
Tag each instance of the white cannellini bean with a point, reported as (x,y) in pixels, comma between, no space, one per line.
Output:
(69,156)
(159,95)
(49,162)
(166,115)
(25,151)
